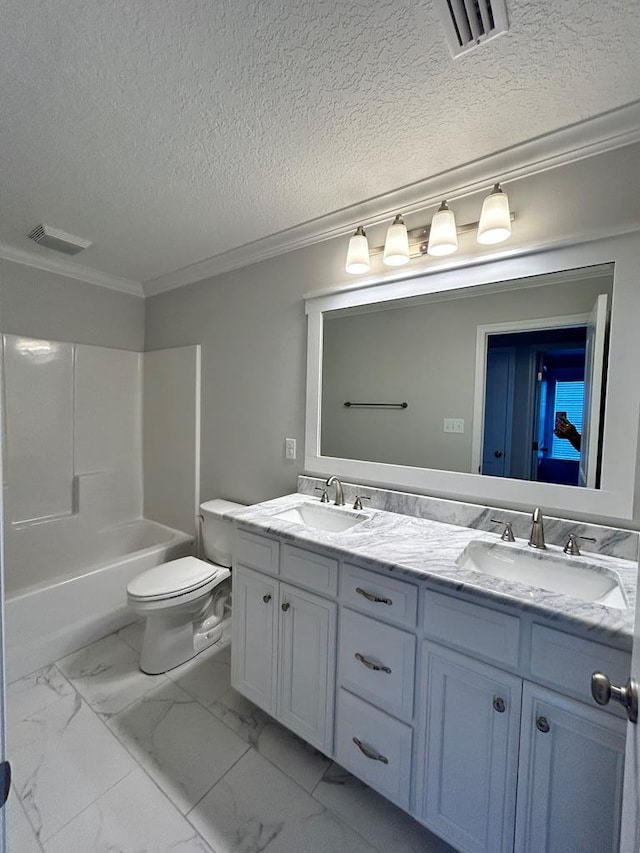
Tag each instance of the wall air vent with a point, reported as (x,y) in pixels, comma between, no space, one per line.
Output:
(468,23)
(54,238)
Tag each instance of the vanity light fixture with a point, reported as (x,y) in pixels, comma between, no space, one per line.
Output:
(438,240)
(495,219)
(358,254)
(443,237)
(396,246)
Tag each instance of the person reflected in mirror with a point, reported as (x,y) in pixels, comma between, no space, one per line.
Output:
(565,429)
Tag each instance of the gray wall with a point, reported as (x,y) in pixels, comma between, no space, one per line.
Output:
(252,328)
(424,354)
(41,304)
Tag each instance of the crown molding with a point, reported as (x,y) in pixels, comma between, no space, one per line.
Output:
(69,269)
(608,131)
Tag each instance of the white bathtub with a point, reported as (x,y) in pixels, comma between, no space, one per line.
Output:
(43,623)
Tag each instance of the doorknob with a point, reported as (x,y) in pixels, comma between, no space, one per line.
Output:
(603,691)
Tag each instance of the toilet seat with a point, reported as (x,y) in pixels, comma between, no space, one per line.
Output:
(173,579)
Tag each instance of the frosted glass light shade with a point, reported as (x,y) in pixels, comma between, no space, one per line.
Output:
(495,219)
(396,246)
(358,253)
(443,238)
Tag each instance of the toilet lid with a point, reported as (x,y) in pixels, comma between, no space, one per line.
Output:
(174,578)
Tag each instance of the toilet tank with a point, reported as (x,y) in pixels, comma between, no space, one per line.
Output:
(217,532)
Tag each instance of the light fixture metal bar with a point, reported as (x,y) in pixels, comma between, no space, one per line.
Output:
(419,238)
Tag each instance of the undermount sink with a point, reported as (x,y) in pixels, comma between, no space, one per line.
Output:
(544,570)
(321,517)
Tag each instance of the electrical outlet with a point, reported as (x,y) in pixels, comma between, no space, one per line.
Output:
(453,425)
(289,448)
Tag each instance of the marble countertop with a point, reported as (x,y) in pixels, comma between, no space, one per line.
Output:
(420,548)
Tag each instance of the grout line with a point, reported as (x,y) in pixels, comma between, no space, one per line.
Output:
(143,769)
(206,793)
(88,806)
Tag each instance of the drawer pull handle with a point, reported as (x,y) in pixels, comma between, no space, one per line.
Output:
(542,724)
(369,665)
(365,750)
(498,704)
(370,597)
(285,606)
(266,598)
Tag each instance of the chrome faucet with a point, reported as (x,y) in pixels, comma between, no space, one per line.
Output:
(339,501)
(536,538)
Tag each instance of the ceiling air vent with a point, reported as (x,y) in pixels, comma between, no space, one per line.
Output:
(54,238)
(468,23)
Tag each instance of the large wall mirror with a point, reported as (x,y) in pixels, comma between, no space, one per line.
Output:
(502,382)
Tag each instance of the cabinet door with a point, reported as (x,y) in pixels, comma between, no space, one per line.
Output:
(570,781)
(469,751)
(254,636)
(307,652)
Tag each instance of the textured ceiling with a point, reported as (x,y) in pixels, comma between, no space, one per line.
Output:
(168,132)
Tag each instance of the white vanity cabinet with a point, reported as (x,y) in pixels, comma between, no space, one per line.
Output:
(306,665)
(570,778)
(284,638)
(468,758)
(254,633)
(475,719)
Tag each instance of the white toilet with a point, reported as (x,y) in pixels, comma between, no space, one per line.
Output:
(183,601)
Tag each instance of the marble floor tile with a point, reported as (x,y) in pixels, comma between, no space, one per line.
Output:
(132,635)
(304,764)
(107,675)
(132,817)
(20,835)
(255,807)
(63,758)
(207,677)
(34,693)
(386,826)
(241,715)
(182,746)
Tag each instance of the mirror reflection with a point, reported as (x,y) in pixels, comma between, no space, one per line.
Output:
(506,380)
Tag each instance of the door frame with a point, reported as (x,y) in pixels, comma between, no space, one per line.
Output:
(482,342)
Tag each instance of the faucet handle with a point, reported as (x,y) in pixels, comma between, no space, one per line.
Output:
(571,545)
(507,533)
(325,495)
(357,504)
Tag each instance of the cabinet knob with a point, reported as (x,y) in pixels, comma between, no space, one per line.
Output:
(285,606)
(498,705)
(266,598)
(603,691)
(542,724)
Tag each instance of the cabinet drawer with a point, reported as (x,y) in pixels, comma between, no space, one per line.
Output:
(313,571)
(257,552)
(382,596)
(479,630)
(377,662)
(567,663)
(383,757)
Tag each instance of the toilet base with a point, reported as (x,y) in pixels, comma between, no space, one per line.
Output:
(168,643)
